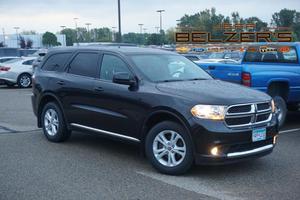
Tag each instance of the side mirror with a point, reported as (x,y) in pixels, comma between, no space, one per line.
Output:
(124,79)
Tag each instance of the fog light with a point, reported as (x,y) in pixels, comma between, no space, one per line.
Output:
(214,151)
(275,139)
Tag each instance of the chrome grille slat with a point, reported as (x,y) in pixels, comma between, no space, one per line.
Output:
(256,113)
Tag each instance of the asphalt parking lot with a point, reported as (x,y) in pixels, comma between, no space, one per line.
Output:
(92,167)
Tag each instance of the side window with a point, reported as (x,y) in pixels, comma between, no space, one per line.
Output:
(85,64)
(111,65)
(56,61)
(28,62)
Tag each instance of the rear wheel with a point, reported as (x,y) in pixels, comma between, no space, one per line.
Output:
(169,148)
(281,110)
(53,123)
(24,80)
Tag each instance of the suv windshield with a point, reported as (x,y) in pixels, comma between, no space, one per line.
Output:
(160,68)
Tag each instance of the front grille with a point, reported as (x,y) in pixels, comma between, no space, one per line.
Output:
(239,109)
(248,114)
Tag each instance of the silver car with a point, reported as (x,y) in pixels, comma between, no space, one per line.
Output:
(17,71)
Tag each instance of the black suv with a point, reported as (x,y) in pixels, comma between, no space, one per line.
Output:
(159,99)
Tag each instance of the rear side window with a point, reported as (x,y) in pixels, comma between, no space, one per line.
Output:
(28,62)
(56,61)
(111,65)
(85,64)
(271,54)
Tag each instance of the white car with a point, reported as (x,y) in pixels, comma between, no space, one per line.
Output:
(8,58)
(17,71)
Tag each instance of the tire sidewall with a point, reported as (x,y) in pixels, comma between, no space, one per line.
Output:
(188,160)
(61,126)
(19,79)
(280,102)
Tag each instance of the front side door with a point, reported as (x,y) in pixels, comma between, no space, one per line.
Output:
(119,109)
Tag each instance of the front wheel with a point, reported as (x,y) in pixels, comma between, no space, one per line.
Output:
(169,148)
(281,110)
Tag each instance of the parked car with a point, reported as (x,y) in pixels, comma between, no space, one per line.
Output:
(5,59)
(176,111)
(226,55)
(195,57)
(271,68)
(17,71)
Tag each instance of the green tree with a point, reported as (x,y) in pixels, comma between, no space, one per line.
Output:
(289,19)
(49,39)
(70,36)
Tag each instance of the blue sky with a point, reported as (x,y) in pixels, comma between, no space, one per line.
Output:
(49,15)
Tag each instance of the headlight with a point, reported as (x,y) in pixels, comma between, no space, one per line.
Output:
(209,112)
(273,106)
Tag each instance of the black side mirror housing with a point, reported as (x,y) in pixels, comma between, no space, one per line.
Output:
(124,79)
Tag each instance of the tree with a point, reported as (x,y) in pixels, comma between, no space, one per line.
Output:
(22,42)
(290,19)
(29,43)
(29,32)
(2,44)
(70,36)
(49,39)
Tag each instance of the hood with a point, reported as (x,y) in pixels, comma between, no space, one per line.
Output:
(213,92)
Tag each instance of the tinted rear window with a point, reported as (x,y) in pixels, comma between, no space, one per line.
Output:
(85,64)
(271,54)
(56,61)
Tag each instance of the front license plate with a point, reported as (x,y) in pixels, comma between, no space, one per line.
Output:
(259,134)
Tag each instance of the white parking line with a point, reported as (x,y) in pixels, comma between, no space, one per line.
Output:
(289,131)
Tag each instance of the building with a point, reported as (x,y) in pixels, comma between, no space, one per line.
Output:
(12,40)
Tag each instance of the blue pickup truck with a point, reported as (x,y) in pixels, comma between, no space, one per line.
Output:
(273,68)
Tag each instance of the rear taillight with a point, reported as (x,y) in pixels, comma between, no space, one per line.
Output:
(246,79)
(4,69)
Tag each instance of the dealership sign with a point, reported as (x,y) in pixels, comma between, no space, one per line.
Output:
(229,34)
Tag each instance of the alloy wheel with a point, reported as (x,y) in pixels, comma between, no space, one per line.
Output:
(169,148)
(51,122)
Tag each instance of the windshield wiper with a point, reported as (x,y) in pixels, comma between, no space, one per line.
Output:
(196,79)
(171,80)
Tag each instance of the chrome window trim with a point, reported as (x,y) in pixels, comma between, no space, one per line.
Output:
(105,132)
(244,153)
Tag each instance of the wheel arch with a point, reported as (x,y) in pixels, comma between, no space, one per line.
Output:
(163,114)
(46,98)
(280,87)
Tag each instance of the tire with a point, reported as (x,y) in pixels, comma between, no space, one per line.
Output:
(184,160)
(53,123)
(24,80)
(281,110)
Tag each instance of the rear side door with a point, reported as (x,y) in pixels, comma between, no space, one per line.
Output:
(76,87)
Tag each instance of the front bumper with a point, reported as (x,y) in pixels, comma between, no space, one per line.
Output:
(234,145)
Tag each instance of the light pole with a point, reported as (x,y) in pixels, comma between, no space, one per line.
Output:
(88,30)
(62,28)
(160,18)
(76,29)
(113,33)
(119,21)
(17,34)
(3,31)
(141,28)
(157,29)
